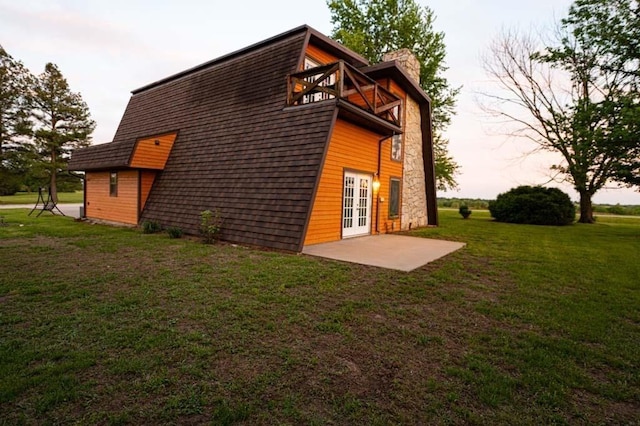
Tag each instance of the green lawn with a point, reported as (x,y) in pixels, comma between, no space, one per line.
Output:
(525,325)
(32,197)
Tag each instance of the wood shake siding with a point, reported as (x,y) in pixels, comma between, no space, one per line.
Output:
(351,148)
(240,150)
(153,152)
(122,208)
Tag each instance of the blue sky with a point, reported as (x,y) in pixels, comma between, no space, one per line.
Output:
(108,48)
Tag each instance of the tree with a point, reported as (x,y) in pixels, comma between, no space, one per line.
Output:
(614,27)
(63,122)
(375,27)
(565,102)
(15,82)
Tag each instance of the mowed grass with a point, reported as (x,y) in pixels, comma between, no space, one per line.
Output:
(525,325)
(32,197)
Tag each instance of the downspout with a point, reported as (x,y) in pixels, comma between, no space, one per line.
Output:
(378,177)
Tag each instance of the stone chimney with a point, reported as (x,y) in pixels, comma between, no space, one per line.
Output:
(414,198)
(407,60)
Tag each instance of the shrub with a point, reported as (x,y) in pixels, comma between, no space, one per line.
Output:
(210,225)
(174,232)
(9,183)
(151,227)
(464,211)
(533,205)
(617,209)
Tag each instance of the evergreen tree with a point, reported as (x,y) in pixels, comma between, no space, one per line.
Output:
(375,27)
(63,122)
(15,83)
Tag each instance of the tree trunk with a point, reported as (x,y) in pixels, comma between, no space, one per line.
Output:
(586,209)
(53,189)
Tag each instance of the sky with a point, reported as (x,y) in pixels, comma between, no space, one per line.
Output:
(106,49)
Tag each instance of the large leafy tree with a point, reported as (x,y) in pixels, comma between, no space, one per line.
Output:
(375,27)
(613,28)
(571,98)
(63,122)
(15,84)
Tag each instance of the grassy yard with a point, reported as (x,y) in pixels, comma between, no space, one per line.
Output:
(525,325)
(32,197)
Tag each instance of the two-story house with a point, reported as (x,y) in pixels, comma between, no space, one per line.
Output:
(296,140)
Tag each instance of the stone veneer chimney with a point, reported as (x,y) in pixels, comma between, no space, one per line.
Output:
(414,198)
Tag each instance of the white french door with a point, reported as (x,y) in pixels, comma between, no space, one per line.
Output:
(356,204)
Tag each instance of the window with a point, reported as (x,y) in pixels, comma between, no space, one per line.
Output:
(396,148)
(394,198)
(317,96)
(113,184)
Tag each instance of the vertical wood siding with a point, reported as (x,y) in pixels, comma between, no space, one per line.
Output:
(388,224)
(148,155)
(123,208)
(146,182)
(351,148)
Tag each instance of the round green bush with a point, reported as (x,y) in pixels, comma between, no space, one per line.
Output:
(533,205)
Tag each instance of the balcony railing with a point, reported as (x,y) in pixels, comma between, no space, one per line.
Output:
(343,81)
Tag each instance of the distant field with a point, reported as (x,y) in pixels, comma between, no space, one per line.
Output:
(525,325)
(480,204)
(32,197)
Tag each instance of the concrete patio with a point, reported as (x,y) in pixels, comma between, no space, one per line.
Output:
(389,251)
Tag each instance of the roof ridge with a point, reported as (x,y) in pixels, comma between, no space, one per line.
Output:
(224,58)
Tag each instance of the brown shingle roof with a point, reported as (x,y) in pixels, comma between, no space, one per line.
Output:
(239,149)
(105,156)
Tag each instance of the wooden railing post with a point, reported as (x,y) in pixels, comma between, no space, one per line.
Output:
(341,79)
(375,99)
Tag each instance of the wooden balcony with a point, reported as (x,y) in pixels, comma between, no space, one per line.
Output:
(342,81)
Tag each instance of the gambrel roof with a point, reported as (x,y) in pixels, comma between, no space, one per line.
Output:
(239,148)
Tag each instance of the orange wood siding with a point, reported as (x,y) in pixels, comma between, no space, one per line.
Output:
(146,182)
(151,155)
(394,88)
(351,148)
(320,55)
(357,99)
(100,205)
(388,169)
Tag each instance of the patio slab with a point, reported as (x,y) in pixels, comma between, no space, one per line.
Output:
(398,252)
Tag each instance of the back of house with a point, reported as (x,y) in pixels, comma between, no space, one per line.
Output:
(295,140)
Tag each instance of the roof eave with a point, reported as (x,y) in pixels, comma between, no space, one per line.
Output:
(330,45)
(391,69)
(223,58)
(339,50)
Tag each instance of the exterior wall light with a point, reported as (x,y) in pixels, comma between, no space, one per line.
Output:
(376,183)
